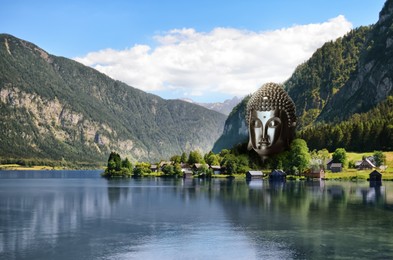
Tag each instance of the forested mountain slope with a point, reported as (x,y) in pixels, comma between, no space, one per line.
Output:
(53,107)
(350,75)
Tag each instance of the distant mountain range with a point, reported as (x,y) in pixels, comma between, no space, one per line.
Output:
(353,74)
(222,107)
(55,108)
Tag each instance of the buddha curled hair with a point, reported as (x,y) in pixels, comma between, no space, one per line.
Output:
(269,97)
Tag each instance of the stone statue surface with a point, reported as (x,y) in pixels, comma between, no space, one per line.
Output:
(271,120)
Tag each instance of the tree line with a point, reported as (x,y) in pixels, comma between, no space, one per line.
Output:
(295,161)
(234,161)
(362,132)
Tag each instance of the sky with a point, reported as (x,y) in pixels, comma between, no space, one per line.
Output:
(203,50)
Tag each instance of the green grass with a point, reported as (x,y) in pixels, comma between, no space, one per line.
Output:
(353,174)
(18,167)
(357,156)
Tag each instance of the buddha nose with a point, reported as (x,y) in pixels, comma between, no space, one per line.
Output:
(264,138)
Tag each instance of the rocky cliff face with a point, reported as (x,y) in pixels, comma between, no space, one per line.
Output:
(53,119)
(235,130)
(372,82)
(55,108)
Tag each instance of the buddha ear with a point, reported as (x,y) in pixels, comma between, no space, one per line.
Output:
(249,146)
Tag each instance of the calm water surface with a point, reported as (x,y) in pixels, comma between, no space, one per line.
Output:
(78,215)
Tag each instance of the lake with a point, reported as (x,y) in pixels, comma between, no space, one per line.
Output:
(79,215)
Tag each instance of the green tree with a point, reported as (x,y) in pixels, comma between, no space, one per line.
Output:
(280,161)
(138,171)
(114,162)
(195,157)
(224,152)
(242,164)
(168,170)
(184,158)
(203,169)
(324,156)
(379,157)
(126,164)
(177,169)
(141,168)
(176,159)
(351,164)
(298,157)
(230,163)
(212,159)
(116,167)
(340,156)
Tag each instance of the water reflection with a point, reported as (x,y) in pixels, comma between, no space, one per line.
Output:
(90,218)
(317,219)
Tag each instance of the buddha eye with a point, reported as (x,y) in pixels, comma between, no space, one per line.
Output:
(274,122)
(257,124)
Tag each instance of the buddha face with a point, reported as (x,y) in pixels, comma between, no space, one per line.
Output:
(271,117)
(266,130)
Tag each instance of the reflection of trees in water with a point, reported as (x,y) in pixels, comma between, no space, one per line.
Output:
(314,219)
(118,188)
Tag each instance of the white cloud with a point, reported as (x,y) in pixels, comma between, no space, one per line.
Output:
(225,60)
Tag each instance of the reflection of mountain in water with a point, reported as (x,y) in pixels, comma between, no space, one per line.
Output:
(43,218)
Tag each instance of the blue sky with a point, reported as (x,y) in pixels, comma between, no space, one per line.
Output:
(204,50)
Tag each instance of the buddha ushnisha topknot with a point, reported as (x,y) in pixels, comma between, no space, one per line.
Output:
(269,97)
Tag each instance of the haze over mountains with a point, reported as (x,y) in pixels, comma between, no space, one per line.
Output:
(55,108)
(222,107)
(351,75)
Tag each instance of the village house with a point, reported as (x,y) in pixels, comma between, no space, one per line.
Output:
(254,175)
(162,164)
(366,164)
(185,166)
(187,173)
(336,167)
(357,164)
(329,164)
(154,168)
(277,175)
(216,169)
(198,166)
(375,178)
(315,173)
(186,170)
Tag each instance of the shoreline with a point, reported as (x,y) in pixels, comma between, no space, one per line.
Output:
(15,167)
(347,175)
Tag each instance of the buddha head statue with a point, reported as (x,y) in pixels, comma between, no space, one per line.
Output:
(271,120)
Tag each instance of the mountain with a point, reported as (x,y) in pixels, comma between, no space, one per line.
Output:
(55,108)
(373,80)
(346,77)
(235,130)
(350,75)
(314,83)
(222,107)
